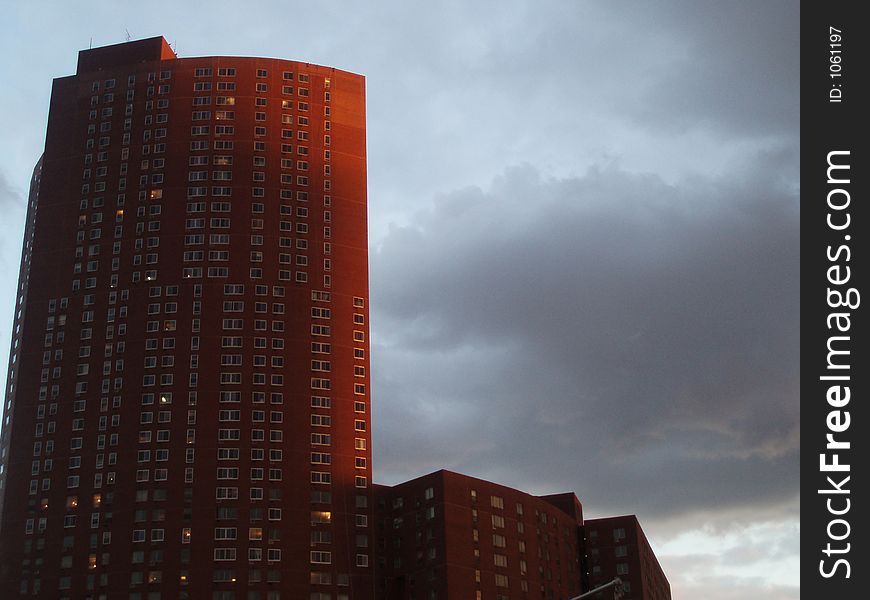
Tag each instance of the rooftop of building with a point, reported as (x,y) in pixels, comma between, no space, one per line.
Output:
(147,50)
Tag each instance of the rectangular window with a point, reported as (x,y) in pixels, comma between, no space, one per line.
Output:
(321,402)
(224,554)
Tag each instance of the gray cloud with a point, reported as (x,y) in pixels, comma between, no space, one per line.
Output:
(735,67)
(8,196)
(611,333)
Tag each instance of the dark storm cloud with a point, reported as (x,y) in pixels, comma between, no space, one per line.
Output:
(609,333)
(739,71)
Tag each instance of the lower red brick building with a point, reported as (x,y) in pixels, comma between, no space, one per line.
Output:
(450,536)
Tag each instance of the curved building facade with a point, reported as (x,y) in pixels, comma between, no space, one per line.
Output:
(187,410)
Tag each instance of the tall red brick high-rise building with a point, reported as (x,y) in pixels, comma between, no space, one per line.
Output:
(187,409)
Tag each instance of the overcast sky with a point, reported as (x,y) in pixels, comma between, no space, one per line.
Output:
(584,243)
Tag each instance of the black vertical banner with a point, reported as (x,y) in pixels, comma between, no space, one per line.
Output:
(835,225)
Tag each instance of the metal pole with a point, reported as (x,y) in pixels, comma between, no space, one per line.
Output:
(616,581)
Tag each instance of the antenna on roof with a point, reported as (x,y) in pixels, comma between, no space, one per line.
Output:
(129,37)
(91,43)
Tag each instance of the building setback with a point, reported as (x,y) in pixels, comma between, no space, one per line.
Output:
(617,546)
(187,409)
